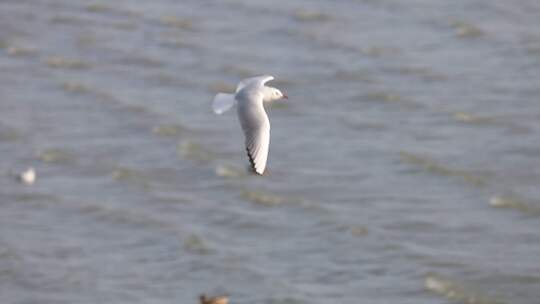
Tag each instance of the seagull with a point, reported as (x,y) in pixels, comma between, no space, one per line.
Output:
(251,94)
(214,300)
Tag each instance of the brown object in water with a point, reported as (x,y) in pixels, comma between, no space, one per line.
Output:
(214,300)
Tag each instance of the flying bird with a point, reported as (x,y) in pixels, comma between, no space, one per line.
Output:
(250,96)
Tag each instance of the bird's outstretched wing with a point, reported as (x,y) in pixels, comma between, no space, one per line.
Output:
(256,127)
(223,102)
(257,144)
(260,80)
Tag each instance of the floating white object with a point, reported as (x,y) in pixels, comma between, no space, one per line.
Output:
(250,95)
(28,176)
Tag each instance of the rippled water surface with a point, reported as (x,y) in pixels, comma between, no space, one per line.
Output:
(405,167)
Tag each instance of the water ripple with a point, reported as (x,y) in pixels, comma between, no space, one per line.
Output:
(456,291)
(432,166)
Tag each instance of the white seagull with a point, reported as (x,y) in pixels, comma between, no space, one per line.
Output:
(251,93)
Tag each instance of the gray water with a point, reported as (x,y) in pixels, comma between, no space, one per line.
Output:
(404,168)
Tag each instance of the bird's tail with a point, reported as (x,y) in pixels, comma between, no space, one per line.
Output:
(223,102)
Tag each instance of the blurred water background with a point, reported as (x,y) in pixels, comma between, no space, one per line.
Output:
(405,167)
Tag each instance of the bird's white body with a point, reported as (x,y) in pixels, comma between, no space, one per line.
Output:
(250,96)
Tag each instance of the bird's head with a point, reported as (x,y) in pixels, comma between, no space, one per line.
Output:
(271,94)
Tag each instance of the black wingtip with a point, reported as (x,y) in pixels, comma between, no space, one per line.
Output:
(252,163)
